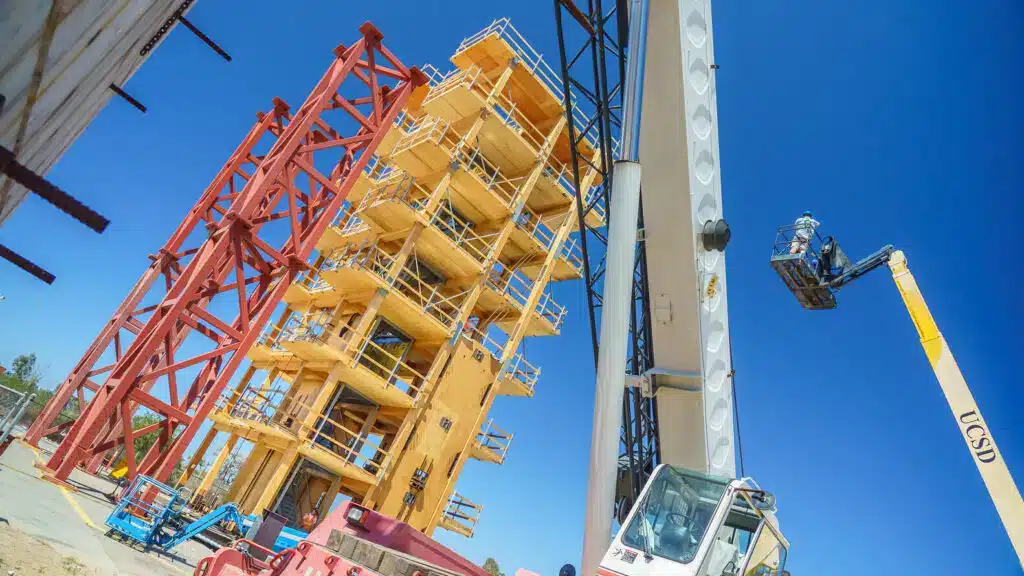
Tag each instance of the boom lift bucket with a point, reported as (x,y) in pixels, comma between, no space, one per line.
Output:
(800,271)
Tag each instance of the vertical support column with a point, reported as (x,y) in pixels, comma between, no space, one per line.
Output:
(273,485)
(289,457)
(197,457)
(215,467)
(370,315)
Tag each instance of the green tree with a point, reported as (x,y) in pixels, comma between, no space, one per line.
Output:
(24,369)
(143,443)
(23,376)
(491,566)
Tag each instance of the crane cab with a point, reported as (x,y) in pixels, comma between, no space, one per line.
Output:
(693,524)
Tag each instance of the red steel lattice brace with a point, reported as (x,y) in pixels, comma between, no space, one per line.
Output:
(235,271)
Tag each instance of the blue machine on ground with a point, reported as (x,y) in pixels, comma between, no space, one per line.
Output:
(149,512)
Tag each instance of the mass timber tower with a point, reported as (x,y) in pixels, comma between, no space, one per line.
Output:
(376,381)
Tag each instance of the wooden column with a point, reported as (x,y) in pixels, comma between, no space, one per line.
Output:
(215,467)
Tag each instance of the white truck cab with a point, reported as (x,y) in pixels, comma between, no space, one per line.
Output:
(686,523)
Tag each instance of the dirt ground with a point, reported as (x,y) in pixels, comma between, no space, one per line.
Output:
(23,555)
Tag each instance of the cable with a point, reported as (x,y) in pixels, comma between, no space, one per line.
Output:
(736,413)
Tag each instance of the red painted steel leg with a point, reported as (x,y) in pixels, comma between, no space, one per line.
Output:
(220,294)
(124,322)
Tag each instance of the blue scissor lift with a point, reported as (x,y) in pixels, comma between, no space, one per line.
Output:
(149,513)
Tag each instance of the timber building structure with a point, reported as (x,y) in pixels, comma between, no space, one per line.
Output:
(376,381)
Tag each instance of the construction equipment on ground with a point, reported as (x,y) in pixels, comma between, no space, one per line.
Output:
(150,513)
(351,540)
(815,271)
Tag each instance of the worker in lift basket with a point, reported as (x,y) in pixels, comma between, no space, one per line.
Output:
(803,232)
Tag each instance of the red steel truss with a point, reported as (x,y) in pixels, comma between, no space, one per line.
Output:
(221,275)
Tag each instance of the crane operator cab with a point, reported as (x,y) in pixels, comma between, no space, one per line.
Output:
(693,524)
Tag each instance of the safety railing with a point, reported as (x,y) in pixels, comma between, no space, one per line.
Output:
(435,299)
(255,404)
(270,337)
(392,369)
(429,129)
(366,256)
(276,408)
(474,162)
(442,304)
(509,113)
(468,78)
(534,225)
(312,282)
(469,157)
(494,440)
(462,233)
(347,444)
(377,168)
(353,225)
(398,187)
(518,369)
(572,253)
(532,61)
(434,76)
(516,286)
(787,242)
(306,326)
(462,511)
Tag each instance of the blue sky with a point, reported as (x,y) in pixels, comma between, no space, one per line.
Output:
(897,122)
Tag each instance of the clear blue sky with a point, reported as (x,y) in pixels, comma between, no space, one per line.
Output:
(897,122)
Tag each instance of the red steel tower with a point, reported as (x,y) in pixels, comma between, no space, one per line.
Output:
(209,291)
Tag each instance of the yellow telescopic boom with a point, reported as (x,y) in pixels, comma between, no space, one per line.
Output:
(976,434)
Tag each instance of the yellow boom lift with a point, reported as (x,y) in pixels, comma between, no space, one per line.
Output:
(815,272)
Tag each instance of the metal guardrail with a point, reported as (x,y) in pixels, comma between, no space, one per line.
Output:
(462,511)
(519,368)
(442,304)
(14,405)
(392,370)
(529,58)
(517,287)
(786,244)
(494,439)
(288,414)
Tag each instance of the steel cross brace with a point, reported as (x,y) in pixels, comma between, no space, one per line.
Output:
(218,295)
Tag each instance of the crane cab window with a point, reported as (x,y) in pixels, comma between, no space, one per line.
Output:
(767,556)
(675,513)
(732,542)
